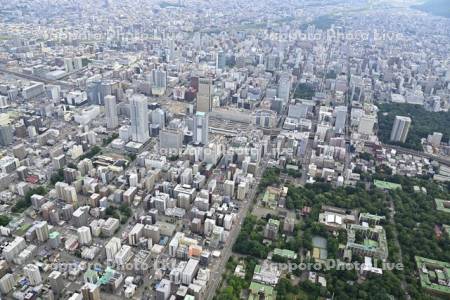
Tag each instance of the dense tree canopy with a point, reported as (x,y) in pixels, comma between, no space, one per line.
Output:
(423,123)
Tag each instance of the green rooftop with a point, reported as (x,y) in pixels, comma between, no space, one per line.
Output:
(257,268)
(270,199)
(90,276)
(430,271)
(285,253)
(258,289)
(292,167)
(106,276)
(370,244)
(54,234)
(386,185)
(371,217)
(23,229)
(274,222)
(442,205)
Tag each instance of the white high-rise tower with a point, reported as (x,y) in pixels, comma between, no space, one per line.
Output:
(201,128)
(139,118)
(400,129)
(112,120)
(341,118)
(204,100)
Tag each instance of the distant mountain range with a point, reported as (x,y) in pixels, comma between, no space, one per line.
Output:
(436,7)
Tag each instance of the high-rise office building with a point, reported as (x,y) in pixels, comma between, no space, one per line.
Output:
(366,124)
(97,90)
(106,89)
(171,139)
(201,128)
(93,90)
(220,60)
(204,97)
(272,62)
(265,118)
(400,129)
(159,118)
(159,82)
(341,117)
(112,120)
(6,135)
(139,118)
(189,271)
(284,87)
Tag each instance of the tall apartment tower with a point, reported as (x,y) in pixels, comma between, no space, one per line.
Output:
(84,235)
(112,120)
(112,247)
(204,99)
(400,129)
(42,231)
(33,274)
(7,283)
(201,128)
(56,280)
(90,291)
(139,118)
